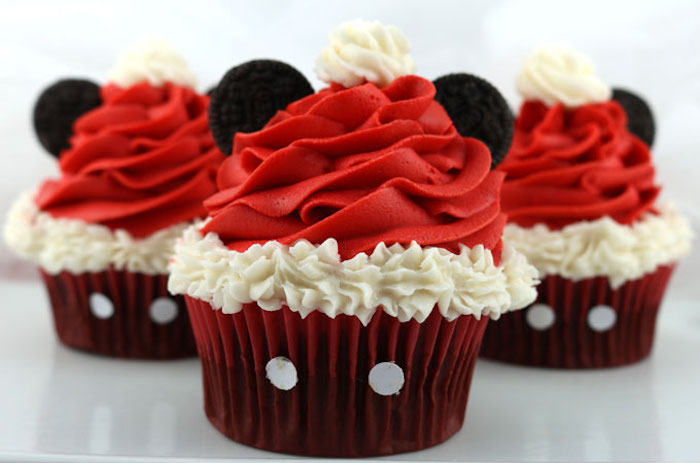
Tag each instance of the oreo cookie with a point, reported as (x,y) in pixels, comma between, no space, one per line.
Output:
(210,90)
(477,110)
(57,109)
(640,119)
(249,95)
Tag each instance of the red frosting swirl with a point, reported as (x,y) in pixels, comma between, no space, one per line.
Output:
(144,160)
(570,165)
(362,165)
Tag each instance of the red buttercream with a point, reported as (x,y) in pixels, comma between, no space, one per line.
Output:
(570,165)
(362,165)
(144,160)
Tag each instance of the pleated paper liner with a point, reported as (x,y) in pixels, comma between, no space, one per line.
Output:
(333,410)
(120,314)
(620,332)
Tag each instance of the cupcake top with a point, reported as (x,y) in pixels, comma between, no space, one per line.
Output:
(136,159)
(361,195)
(580,189)
(363,165)
(573,157)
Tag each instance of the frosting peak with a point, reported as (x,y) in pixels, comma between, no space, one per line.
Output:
(558,74)
(153,61)
(364,51)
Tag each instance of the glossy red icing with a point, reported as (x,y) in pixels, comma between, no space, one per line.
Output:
(142,161)
(361,165)
(569,165)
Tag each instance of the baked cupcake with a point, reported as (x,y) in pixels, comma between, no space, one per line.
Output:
(136,160)
(581,198)
(340,289)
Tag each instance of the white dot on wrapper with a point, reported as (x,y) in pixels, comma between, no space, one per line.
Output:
(601,318)
(282,373)
(101,306)
(386,378)
(163,310)
(540,317)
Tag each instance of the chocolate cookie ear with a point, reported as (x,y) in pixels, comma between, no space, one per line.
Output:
(477,110)
(58,107)
(249,95)
(640,119)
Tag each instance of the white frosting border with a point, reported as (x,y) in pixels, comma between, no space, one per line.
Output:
(407,282)
(604,247)
(76,246)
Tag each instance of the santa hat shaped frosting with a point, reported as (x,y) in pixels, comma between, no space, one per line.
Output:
(59,105)
(558,74)
(359,52)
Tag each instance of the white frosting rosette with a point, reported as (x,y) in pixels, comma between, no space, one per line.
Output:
(154,61)
(558,74)
(362,51)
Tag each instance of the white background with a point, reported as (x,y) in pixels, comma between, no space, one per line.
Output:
(645,412)
(652,47)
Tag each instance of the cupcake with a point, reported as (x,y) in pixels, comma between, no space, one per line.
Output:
(581,198)
(136,160)
(341,285)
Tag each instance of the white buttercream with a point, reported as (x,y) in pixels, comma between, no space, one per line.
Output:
(364,51)
(154,61)
(407,282)
(76,246)
(558,74)
(604,247)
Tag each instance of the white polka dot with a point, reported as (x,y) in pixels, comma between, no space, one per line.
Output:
(163,310)
(282,373)
(601,318)
(101,306)
(386,378)
(540,317)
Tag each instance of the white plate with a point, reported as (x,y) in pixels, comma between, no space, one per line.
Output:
(57,404)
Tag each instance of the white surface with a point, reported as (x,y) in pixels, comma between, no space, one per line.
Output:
(58,404)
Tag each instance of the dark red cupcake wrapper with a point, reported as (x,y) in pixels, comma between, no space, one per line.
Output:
(130,331)
(571,342)
(332,410)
